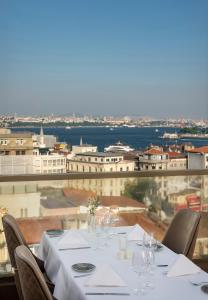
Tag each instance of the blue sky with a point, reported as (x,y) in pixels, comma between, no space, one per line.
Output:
(99,57)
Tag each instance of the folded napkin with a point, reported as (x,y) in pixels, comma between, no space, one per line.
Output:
(72,240)
(136,233)
(105,276)
(183,266)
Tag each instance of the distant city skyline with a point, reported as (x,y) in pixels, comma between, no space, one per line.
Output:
(145,58)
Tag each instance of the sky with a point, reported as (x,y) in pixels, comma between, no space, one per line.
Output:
(104,57)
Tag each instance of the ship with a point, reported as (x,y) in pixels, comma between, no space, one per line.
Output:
(173,136)
(118,147)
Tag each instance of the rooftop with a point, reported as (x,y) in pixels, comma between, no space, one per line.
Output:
(99,154)
(203,149)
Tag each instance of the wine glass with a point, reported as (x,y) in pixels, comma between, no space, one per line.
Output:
(149,261)
(138,265)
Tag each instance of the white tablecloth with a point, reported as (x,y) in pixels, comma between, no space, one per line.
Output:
(58,266)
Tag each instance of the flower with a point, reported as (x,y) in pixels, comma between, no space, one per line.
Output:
(3,211)
(93,203)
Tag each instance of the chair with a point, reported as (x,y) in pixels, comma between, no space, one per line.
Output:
(182,232)
(32,282)
(14,238)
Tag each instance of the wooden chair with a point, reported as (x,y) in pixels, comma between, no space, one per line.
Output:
(32,282)
(182,232)
(14,238)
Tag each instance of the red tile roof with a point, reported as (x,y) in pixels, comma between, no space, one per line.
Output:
(203,149)
(154,151)
(120,201)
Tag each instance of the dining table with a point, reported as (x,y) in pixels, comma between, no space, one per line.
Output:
(112,275)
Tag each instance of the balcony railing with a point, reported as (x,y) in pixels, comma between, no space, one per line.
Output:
(151,201)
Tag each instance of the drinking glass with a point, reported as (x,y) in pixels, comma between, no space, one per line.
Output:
(149,261)
(138,265)
(148,240)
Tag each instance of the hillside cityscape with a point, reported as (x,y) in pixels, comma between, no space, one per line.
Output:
(86,120)
(24,150)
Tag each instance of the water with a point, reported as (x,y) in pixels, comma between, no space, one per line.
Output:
(138,138)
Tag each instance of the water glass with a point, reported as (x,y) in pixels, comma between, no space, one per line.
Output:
(138,265)
(122,242)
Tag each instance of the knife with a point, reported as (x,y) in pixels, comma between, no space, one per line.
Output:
(119,294)
(74,248)
(83,275)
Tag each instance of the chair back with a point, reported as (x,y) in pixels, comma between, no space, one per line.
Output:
(182,232)
(13,235)
(32,280)
(14,238)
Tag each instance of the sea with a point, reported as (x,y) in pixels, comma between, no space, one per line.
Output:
(137,137)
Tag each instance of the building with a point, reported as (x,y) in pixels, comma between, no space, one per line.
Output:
(99,162)
(49,164)
(17,143)
(153,159)
(82,148)
(177,161)
(198,158)
(44,140)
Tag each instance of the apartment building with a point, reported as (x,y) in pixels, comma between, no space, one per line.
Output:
(99,162)
(153,159)
(198,158)
(15,143)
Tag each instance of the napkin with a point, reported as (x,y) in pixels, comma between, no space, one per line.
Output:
(105,276)
(136,233)
(183,266)
(72,240)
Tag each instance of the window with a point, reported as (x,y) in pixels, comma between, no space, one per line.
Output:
(20,152)
(3,142)
(19,141)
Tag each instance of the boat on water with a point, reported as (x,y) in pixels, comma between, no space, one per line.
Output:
(176,136)
(173,136)
(118,147)
(67,127)
(194,135)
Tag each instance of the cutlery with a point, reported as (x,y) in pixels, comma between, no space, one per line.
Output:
(83,275)
(198,283)
(119,294)
(121,232)
(74,248)
(162,265)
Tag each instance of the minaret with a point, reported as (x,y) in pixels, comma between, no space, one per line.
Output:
(42,144)
(81,141)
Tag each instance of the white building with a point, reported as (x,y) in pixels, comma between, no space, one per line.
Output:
(177,161)
(49,164)
(32,164)
(82,148)
(153,159)
(99,162)
(198,158)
